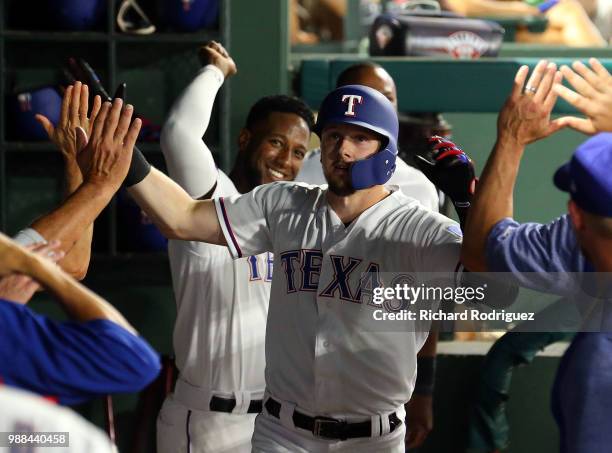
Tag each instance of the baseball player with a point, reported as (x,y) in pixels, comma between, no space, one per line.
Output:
(413,184)
(331,382)
(560,256)
(222,304)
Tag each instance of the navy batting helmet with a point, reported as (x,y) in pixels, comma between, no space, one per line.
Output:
(363,106)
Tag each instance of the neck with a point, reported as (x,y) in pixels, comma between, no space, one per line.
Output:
(592,249)
(240,176)
(348,208)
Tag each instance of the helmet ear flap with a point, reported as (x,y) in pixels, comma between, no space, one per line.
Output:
(374,170)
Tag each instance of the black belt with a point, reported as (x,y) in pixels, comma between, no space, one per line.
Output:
(219,404)
(330,428)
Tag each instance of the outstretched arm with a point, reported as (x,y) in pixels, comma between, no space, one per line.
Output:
(524,119)
(174,212)
(190,162)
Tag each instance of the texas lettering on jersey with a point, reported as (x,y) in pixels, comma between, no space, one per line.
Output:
(302,270)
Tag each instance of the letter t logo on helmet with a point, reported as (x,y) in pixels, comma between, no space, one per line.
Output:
(351,98)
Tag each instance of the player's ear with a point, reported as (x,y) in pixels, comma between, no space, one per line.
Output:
(243,139)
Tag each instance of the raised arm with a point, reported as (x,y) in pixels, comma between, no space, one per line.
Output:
(74,236)
(524,119)
(190,162)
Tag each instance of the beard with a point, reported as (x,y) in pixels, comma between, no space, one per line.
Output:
(339,186)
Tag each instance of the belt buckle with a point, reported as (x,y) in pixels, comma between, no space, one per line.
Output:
(323,426)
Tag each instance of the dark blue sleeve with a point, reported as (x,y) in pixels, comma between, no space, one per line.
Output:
(542,257)
(69,360)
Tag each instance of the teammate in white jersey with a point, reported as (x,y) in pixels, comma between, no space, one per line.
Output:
(222,304)
(322,357)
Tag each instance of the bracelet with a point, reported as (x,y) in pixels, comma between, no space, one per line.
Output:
(426,376)
(139,168)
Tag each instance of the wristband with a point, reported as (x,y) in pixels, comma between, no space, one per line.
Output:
(426,376)
(139,169)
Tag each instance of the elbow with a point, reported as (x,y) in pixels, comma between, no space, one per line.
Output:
(173,133)
(78,271)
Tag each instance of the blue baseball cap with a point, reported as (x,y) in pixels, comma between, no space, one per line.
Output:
(588,175)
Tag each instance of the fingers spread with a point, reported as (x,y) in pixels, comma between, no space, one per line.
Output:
(75,103)
(579,124)
(110,125)
(600,69)
(132,135)
(95,109)
(84,103)
(519,81)
(66,105)
(580,102)
(546,83)
(124,123)
(46,124)
(98,126)
(537,74)
(579,84)
(552,95)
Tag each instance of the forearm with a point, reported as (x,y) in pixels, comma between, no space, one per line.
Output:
(69,222)
(492,202)
(174,212)
(190,162)
(76,261)
(79,302)
(491,8)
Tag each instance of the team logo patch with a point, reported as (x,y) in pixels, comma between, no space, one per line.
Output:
(455,230)
(466,45)
(351,100)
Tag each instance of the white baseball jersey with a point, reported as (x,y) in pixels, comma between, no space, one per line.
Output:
(411,181)
(28,413)
(222,304)
(222,307)
(321,352)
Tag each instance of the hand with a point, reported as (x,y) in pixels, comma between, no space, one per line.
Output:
(215,54)
(593,97)
(110,144)
(73,114)
(419,420)
(450,169)
(20,288)
(525,117)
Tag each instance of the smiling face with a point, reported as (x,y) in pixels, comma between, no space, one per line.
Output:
(341,145)
(275,147)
